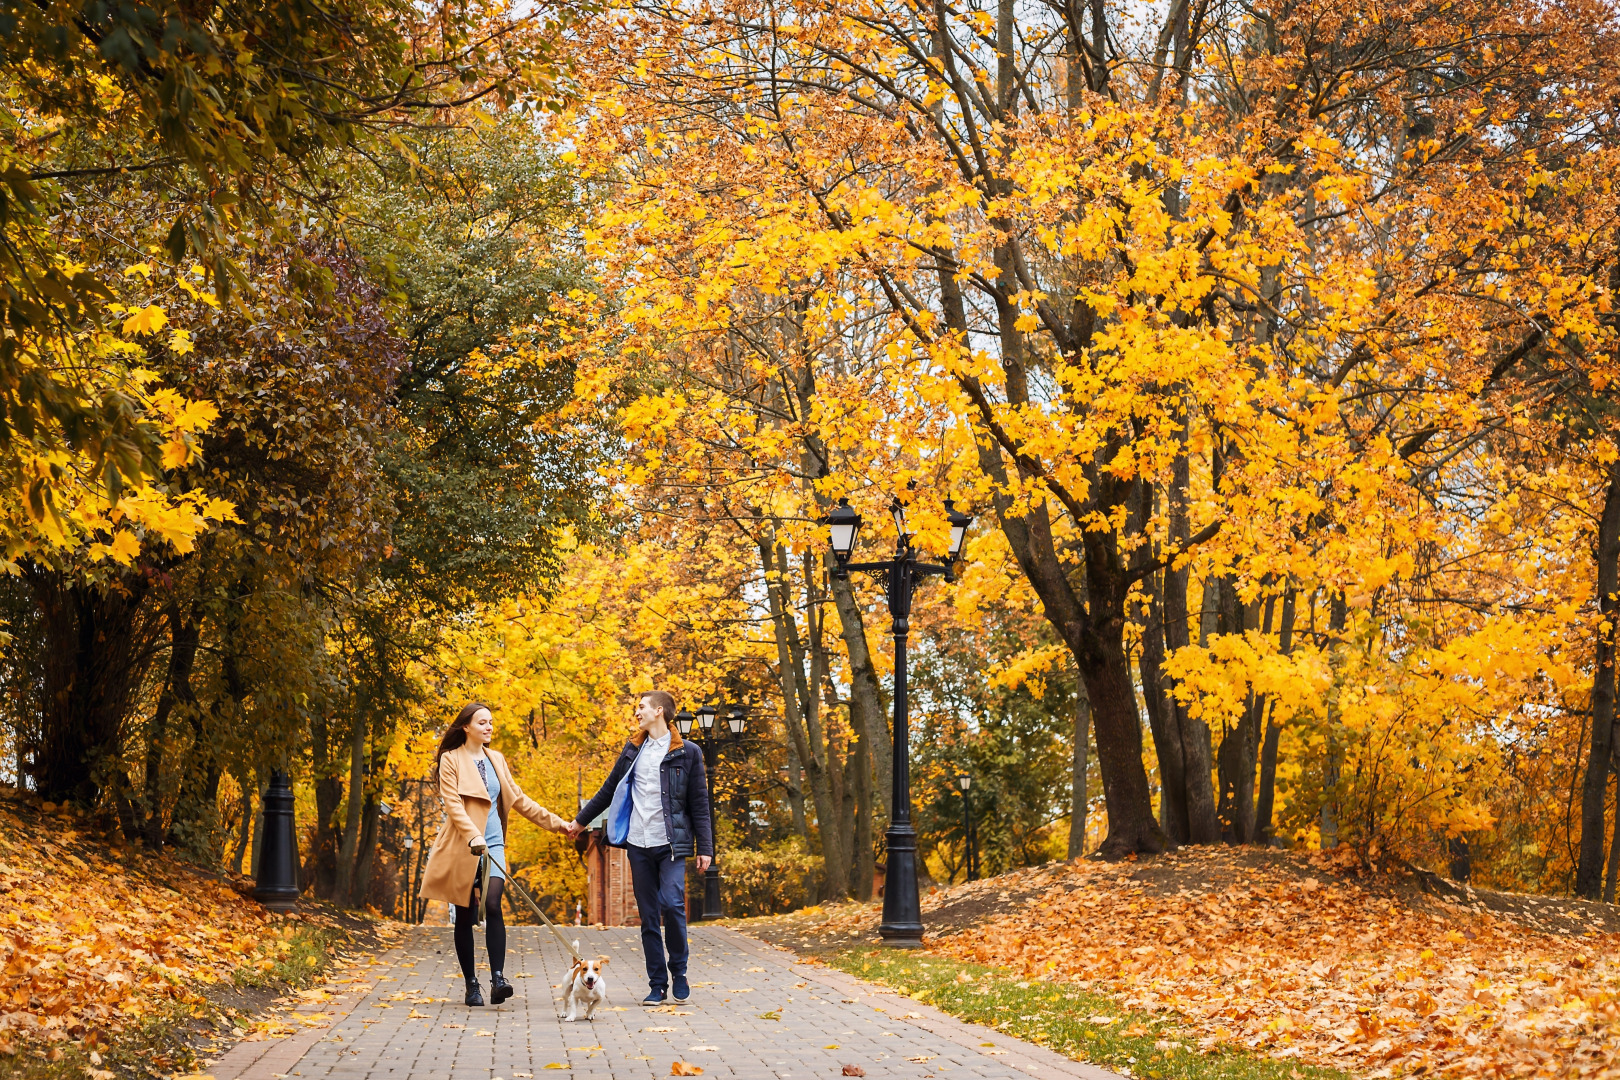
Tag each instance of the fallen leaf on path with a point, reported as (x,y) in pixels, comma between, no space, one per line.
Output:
(854,1070)
(685,1068)
(555,1065)
(713,1048)
(455,1027)
(414,1015)
(661,1031)
(920,1058)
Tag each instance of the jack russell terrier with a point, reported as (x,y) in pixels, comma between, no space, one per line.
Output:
(584,986)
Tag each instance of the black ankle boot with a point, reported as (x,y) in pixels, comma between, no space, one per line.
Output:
(499,988)
(475,993)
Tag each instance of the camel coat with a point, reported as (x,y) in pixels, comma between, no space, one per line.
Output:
(451,865)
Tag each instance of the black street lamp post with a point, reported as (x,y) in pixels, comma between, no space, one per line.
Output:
(736,720)
(277,884)
(902,911)
(964,781)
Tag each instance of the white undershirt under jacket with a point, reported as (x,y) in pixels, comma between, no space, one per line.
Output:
(647,826)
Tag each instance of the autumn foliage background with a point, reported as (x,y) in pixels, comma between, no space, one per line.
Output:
(416,355)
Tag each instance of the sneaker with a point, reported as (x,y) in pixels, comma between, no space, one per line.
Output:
(681,989)
(656,997)
(475,993)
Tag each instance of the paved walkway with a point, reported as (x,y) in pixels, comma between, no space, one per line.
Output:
(754,1015)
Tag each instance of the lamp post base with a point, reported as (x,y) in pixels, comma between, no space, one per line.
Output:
(711,893)
(902,911)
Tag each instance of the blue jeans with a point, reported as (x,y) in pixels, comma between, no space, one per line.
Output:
(660,887)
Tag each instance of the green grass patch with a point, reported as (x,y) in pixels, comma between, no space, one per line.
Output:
(297,957)
(1067,1019)
(158,1046)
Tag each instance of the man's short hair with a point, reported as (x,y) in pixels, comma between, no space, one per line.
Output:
(661,699)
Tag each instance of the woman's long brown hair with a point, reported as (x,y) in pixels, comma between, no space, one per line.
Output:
(456,734)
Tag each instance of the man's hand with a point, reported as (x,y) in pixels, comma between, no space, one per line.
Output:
(703,862)
(574,829)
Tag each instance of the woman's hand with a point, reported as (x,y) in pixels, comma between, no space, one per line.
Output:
(477,845)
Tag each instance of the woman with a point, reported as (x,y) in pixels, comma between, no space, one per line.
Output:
(473,778)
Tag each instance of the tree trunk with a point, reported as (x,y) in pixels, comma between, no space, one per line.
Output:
(366,855)
(800,713)
(1462,867)
(1613,877)
(184,636)
(192,823)
(1264,808)
(868,710)
(1594,793)
(1329,819)
(863,863)
(319,872)
(1081,753)
(795,792)
(1163,721)
(251,796)
(1203,827)
(96,656)
(349,848)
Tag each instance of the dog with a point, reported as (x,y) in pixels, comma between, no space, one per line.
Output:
(584,986)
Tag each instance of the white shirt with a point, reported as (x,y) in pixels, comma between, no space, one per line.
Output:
(647,825)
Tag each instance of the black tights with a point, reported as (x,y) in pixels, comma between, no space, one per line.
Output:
(494,930)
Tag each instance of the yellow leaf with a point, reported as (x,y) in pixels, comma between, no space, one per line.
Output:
(124,547)
(148,320)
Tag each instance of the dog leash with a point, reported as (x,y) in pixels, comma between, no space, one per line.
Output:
(489,858)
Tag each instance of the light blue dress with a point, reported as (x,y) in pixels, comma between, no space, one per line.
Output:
(494,839)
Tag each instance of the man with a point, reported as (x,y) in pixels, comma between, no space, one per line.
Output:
(657,803)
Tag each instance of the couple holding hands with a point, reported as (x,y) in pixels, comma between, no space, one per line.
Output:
(657,803)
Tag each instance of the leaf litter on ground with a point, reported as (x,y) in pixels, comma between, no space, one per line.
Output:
(1290,961)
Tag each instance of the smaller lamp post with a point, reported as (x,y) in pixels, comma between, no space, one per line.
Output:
(736,720)
(410,901)
(277,885)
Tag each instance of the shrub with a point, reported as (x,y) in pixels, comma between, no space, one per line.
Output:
(768,882)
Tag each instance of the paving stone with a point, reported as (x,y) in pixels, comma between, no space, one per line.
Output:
(754,1015)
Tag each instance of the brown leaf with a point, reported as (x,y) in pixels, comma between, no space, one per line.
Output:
(685,1068)
(854,1070)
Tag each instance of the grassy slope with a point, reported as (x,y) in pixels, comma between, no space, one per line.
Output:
(1082,1025)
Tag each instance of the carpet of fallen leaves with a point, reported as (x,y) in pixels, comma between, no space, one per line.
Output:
(90,944)
(1335,972)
